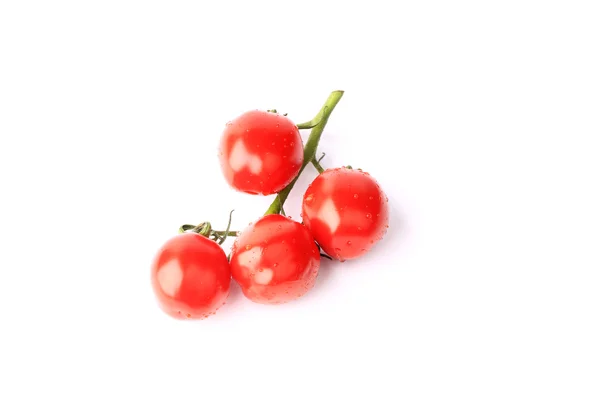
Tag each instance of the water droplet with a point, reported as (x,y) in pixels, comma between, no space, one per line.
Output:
(273,144)
(291,144)
(372,241)
(189,315)
(378,215)
(274,265)
(260,269)
(279,226)
(359,228)
(248,247)
(368,215)
(309,198)
(355,196)
(276,125)
(349,243)
(337,250)
(370,197)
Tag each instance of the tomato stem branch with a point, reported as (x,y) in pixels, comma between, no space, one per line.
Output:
(205,229)
(318,166)
(310,149)
(313,122)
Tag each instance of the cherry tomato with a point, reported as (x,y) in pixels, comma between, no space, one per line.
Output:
(260,152)
(191,276)
(346,211)
(275,260)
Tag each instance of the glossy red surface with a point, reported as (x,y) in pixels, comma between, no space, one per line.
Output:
(191,276)
(260,152)
(346,212)
(275,260)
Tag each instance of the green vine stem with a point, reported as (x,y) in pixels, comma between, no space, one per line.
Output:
(205,229)
(310,149)
(318,166)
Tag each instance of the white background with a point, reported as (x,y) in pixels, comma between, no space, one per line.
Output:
(479,119)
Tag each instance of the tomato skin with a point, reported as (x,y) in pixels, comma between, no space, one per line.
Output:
(260,152)
(275,260)
(191,276)
(346,212)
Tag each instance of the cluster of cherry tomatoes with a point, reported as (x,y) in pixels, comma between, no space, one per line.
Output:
(275,259)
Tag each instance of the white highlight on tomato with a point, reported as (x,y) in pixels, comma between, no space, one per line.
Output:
(169,278)
(263,277)
(249,258)
(241,157)
(255,164)
(329,215)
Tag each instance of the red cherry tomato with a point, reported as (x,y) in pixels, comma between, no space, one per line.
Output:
(260,152)
(275,260)
(346,211)
(191,276)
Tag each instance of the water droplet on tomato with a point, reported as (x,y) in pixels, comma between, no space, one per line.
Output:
(274,265)
(349,243)
(260,269)
(337,250)
(359,228)
(248,247)
(189,315)
(370,197)
(309,198)
(355,196)
(368,215)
